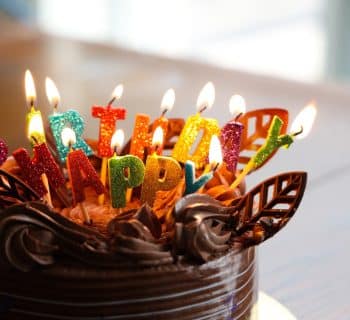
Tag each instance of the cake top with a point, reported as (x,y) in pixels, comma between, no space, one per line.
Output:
(99,203)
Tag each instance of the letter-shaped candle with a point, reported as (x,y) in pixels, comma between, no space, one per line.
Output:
(59,121)
(193,126)
(141,138)
(231,133)
(301,127)
(109,117)
(80,170)
(118,166)
(162,173)
(3,151)
(34,120)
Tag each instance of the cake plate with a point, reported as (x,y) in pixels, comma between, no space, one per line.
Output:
(270,309)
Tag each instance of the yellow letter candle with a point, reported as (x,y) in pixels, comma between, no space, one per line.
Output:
(34,120)
(118,166)
(162,173)
(192,128)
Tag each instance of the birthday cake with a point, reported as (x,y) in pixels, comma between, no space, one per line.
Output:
(162,238)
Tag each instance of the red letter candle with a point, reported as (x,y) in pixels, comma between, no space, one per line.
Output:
(231,133)
(141,138)
(109,117)
(81,172)
(33,169)
(162,173)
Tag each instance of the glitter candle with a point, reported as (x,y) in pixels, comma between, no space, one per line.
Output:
(161,173)
(33,169)
(119,182)
(34,119)
(193,126)
(108,118)
(142,138)
(59,121)
(80,170)
(193,184)
(300,127)
(231,133)
(3,151)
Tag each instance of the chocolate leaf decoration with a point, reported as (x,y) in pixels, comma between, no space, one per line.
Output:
(252,140)
(13,190)
(267,208)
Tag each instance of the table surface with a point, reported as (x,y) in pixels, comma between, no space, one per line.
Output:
(305,266)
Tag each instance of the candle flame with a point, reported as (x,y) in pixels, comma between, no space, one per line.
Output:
(215,152)
(68,137)
(206,97)
(29,88)
(118,92)
(157,139)
(237,105)
(52,92)
(304,121)
(35,126)
(117,139)
(168,100)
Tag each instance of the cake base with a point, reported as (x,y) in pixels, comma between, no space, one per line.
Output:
(224,288)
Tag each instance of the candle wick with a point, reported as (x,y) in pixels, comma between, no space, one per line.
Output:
(164,112)
(36,142)
(115,150)
(238,116)
(31,103)
(111,101)
(216,166)
(298,132)
(203,109)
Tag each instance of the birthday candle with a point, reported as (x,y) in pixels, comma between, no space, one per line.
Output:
(109,117)
(142,138)
(117,166)
(231,133)
(162,173)
(59,121)
(3,151)
(34,120)
(81,172)
(193,126)
(300,127)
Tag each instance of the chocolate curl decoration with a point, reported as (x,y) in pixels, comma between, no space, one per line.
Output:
(82,174)
(42,163)
(267,208)
(14,190)
(252,141)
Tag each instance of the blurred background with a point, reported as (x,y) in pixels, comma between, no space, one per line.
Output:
(302,40)
(274,53)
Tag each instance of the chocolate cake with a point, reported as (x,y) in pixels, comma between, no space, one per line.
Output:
(129,266)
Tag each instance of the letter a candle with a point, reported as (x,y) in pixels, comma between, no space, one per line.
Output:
(81,173)
(124,172)
(162,173)
(109,117)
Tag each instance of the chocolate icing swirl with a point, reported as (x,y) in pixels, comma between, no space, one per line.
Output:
(138,238)
(200,227)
